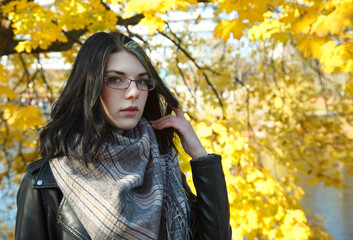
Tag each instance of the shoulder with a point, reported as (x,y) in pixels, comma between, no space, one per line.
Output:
(32,172)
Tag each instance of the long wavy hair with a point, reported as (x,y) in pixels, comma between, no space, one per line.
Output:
(77,127)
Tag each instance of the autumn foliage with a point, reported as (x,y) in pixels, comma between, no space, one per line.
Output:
(287,101)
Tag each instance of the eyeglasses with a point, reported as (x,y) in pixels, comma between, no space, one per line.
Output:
(123,83)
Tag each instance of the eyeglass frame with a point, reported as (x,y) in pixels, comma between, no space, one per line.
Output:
(130,80)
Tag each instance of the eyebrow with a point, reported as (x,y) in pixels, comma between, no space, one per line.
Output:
(122,73)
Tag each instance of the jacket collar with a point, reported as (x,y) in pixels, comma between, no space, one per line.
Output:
(45,177)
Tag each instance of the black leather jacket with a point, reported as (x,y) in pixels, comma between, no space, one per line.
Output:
(43,212)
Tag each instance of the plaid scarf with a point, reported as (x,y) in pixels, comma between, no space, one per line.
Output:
(132,192)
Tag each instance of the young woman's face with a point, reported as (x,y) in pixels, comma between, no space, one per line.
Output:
(123,108)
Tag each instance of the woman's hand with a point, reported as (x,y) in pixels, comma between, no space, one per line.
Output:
(189,140)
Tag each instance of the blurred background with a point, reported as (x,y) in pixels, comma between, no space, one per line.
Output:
(267,84)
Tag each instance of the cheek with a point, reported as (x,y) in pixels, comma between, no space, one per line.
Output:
(109,98)
(144,97)
(104,95)
(143,101)
(107,102)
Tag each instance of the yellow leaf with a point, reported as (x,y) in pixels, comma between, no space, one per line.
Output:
(153,23)
(4,90)
(3,74)
(137,6)
(311,46)
(225,28)
(254,176)
(254,12)
(325,24)
(269,28)
(22,117)
(20,46)
(228,5)
(335,21)
(219,129)
(329,57)
(303,24)
(202,130)
(266,187)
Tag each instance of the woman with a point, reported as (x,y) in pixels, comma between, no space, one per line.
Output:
(109,169)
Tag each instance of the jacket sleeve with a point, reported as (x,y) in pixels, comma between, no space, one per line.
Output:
(30,217)
(212,210)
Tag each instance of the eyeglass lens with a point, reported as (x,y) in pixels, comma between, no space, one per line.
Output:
(118,82)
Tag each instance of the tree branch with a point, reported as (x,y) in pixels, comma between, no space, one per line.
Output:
(8,43)
(187,54)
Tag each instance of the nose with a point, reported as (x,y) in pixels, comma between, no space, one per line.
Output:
(132,92)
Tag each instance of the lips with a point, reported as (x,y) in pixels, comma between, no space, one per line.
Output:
(130,109)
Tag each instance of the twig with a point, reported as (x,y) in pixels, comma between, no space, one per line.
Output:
(197,66)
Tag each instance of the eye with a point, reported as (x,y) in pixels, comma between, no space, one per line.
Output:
(144,81)
(114,79)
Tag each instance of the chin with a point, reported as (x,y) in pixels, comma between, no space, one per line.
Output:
(126,126)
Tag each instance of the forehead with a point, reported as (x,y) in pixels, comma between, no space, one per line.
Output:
(124,62)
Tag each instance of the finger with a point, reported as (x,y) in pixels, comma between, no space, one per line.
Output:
(179,113)
(165,123)
(165,118)
(169,121)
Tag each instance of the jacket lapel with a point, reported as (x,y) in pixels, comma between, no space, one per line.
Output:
(69,221)
(66,217)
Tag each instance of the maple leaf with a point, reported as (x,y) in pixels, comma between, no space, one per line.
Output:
(225,28)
